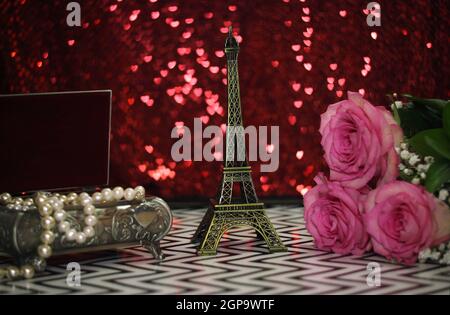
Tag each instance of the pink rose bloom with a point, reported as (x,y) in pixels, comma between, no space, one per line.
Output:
(442,217)
(399,217)
(359,141)
(333,218)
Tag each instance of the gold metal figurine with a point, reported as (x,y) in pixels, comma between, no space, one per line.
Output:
(230,212)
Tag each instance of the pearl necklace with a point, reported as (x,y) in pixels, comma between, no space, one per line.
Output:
(51,210)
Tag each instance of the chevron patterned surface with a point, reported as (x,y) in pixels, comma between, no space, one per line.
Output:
(242,266)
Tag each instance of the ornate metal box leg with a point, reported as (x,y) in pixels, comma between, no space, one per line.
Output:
(154,248)
(156,221)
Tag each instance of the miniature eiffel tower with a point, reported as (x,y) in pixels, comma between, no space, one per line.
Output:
(247,211)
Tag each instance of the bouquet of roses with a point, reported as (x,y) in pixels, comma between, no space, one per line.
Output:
(389,179)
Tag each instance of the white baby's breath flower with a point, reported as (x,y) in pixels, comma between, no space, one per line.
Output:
(414,159)
(398,104)
(445,259)
(443,194)
(408,172)
(421,168)
(404,154)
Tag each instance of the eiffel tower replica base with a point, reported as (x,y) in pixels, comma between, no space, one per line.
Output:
(224,216)
(220,218)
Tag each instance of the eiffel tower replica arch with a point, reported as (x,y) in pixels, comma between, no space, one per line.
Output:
(227,212)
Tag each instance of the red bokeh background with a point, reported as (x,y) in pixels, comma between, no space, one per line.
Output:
(163,61)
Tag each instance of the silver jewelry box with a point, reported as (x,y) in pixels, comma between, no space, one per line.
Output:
(120,224)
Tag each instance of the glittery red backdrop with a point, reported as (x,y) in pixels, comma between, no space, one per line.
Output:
(164,62)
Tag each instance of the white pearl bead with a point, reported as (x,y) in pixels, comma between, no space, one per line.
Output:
(5,198)
(60,215)
(83,195)
(40,199)
(118,193)
(81,238)
(18,201)
(71,235)
(107,194)
(89,231)
(89,210)
(58,205)
(28,202)
(90,220)
(47,237)
(52,201)
(71,197)
(27,272)
(54,198)
(12,272)
(86,201)
(46,209)
(48,223)
(44,251)
(64,227)
(97,197)
(129,194)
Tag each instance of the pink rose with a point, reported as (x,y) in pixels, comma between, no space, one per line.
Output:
(333,218)
(399,217)
(359,142)
(442,217)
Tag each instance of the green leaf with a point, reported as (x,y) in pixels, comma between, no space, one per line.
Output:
(432,142)
(437,175)
(406,178)
(436,104)
(396,115)
(446,119)
(414,120)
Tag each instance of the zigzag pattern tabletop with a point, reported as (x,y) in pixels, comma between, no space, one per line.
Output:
(242,266)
